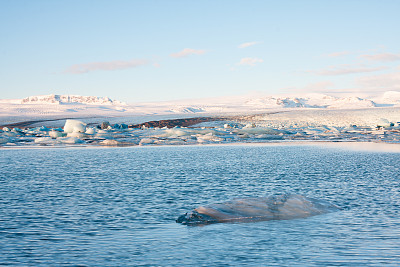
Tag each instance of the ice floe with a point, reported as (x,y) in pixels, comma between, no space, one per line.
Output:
(255,129)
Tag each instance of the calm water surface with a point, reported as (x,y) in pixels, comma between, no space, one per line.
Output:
(117,206)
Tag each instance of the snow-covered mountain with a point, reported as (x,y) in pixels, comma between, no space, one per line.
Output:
(76,106)
(311,101)
(68,99)
(391,97)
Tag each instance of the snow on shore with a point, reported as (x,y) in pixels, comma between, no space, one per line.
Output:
(54,107)
(249,120)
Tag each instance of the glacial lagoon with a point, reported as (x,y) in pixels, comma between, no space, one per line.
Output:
(118,206)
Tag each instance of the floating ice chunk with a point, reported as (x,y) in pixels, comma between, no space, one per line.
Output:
(176,132)
(6,129)
(258,130)
(76,134)
(90,130)
(11,144)
(103,134)
(109,142)
(250,125)
(146,141)
(121,126)
(104,125)
(43,129)
(56,134)
(16,130)
(334,130)
(4,140)
(10,134)
(383,123)
(208,137)
(227,126)
(74,126)
(45,141)
(70,140)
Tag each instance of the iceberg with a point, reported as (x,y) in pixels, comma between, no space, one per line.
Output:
(74,126)
(276,207)
(383,123)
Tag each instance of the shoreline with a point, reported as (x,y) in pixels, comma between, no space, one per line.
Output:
(345,144)
(197,131)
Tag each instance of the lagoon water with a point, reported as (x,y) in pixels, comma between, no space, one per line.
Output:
(118,206)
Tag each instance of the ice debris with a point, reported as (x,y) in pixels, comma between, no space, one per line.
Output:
(222,132)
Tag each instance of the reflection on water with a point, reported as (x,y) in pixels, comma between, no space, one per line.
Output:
(366,146)
(118,206)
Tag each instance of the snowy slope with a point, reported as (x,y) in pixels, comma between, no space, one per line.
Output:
(69,99)
(391,97)
(75,106)
(311,101)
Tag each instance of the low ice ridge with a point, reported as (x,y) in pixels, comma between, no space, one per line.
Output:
(275,207)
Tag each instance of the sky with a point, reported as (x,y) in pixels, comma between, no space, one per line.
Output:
(142,51)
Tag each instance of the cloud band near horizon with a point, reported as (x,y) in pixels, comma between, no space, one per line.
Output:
(105,66)
(248,44)
(249,61)
(187,52)
(344,70)
(385,57)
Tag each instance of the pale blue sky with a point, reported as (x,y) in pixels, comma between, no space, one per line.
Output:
(164,50)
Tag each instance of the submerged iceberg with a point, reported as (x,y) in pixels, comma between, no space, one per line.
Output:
(277,207)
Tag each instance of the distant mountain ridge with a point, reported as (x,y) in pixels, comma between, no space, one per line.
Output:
(75,104)
(70,99)
(311,101)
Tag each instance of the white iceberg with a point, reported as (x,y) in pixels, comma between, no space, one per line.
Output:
(383,123)
(74,126)
(90,130)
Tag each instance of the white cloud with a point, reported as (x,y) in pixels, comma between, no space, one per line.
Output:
(249,61)
(387,81)
(345,69)
(338,54)
(386,57)
(244,45)
(107,66)
(318,86)
(187,52)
